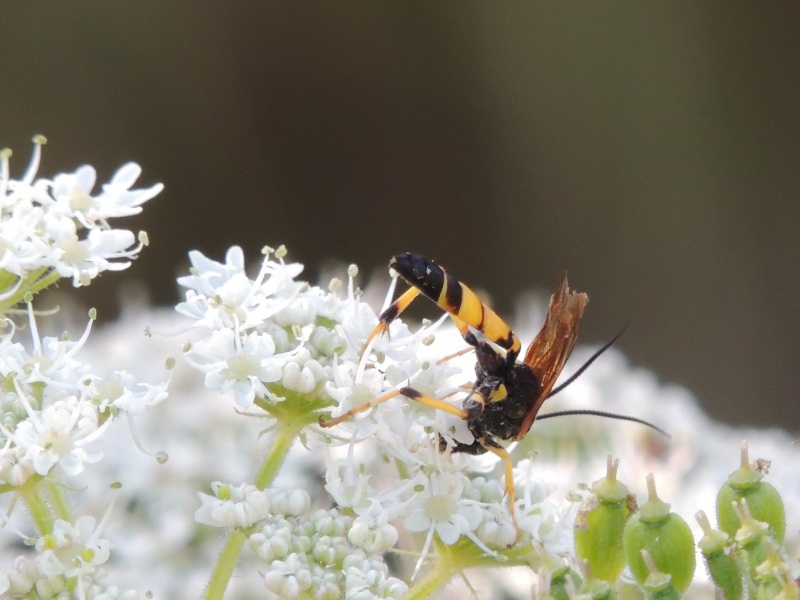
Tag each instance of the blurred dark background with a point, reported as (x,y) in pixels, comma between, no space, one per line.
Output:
(653,150)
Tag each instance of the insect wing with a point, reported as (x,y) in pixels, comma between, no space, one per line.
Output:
(550,349)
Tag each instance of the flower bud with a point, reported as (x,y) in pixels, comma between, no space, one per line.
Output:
(763,499)
(667,541)
(600,524)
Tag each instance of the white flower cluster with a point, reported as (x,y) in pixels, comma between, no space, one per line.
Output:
(53,408)
(53,405)
(308,556)
(297,352)
(70,552)
(59,227)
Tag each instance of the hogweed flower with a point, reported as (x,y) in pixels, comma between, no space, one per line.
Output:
(57,228)
(55,405)
(375,506)
(295,353)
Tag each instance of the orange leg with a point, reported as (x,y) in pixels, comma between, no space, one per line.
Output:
(391,313)
(461,352)
(503,455)
(402,303)
(408,392)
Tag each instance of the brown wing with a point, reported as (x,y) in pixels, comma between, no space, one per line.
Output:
(550,349)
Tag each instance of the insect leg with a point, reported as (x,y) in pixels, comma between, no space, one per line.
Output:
(391,313)
(457,299)
(402,303)
(461,352)
(432,402)
(408,392)
(503,455)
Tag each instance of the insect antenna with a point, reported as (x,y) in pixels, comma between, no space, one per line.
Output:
(596,413)
(585,365)
(601,413)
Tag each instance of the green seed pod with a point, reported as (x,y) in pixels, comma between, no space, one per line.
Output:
(600,524)
(666,539)
(718,553)
(763,499)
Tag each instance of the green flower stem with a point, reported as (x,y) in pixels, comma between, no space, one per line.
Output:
(435,579)
(43,281)
(225,565)
(35,282)
(464,554)
(430,584)
(283,437)
(37,506)
(60,503)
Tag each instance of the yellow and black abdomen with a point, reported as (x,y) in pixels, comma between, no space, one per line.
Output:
(456,298)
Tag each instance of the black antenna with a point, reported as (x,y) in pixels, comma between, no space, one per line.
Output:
(600,413)
(585,365)
(596,413)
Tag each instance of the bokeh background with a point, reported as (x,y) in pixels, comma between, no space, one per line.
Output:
(653,150)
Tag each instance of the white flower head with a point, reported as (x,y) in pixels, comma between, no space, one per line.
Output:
(71,550)
(442,507)
(243,365)
(372,531)
(59,226)
(221,295)
(241,506)
(84,259)
(72,195)
(57,434)
(123,392)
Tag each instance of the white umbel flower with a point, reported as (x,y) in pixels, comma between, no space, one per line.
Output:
(59,226)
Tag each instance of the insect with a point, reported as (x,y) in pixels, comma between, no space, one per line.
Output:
(506,396)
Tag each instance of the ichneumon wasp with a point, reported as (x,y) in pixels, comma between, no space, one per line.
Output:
(506,396)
